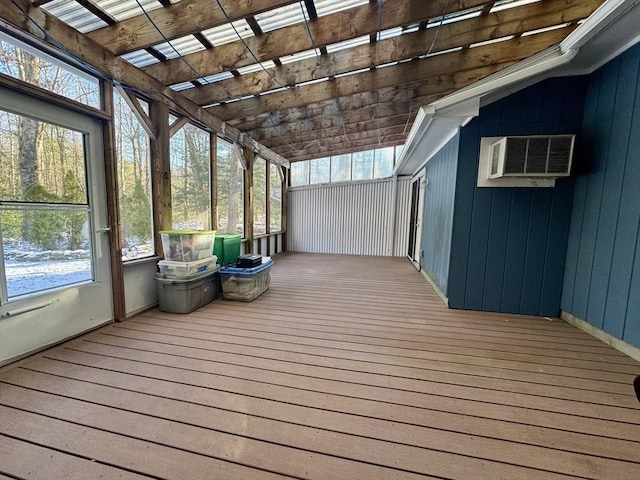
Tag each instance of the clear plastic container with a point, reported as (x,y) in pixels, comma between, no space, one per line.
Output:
(246,284)
(186,269)
(187,245)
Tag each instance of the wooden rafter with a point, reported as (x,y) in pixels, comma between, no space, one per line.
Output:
(180,19)
(333,28)
(474,30)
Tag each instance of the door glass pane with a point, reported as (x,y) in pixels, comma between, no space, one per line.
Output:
(134,182)
(190,173)
(275,205)
(44,212)
(260,197)
(229,189)
(44,248)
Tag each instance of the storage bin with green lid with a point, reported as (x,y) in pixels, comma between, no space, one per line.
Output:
(227,247)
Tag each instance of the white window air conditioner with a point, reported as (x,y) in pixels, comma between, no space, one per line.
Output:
(538,156)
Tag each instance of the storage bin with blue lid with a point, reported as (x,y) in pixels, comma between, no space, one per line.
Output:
(246,284)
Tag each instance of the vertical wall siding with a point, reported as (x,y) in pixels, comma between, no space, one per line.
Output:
(349,218)
(602,275)
(508,246)
(438,213)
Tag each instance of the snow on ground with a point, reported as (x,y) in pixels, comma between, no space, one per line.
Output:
(28,277)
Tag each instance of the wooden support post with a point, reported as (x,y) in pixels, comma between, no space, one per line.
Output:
(249,160)
(161,178)
(213,179)
(113,207)
(283,220)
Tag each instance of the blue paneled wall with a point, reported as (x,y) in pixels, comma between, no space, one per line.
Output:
(602,276)
(438,213)
(508,244)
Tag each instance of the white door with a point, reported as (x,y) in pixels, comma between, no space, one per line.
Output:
(55,279)
(415,225)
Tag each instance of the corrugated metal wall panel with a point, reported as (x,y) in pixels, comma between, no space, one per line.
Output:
(349,218)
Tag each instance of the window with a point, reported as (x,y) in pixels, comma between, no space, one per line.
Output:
(383,163)
(319,171)
(230,181)
(134,182)
(260,197)
(190,179)
(362,165)
(20,60)
(341,168)
(275,199)
(299,174)
(44,207)
(365,165)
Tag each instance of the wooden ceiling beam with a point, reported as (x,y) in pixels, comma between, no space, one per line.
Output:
(178,20)
(370,139)
(315,112)
(479,29)
(383,126)
(443,71)
(333,28)
(353,147)
(113,67)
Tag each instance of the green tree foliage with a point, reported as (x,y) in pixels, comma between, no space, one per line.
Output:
(43,227)
(73,193)
(135,215)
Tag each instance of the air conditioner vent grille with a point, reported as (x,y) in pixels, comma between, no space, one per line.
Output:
(534,156)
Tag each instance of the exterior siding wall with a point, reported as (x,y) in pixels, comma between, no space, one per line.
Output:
(508,246)
(438,213)
(348,218)
(602,275)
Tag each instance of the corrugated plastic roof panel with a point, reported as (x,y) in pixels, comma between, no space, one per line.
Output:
(226,34)
(140,58)
(282,17)
(296,57)
(182,45)
(354,42)
(121,9)
(325,7)
(255,67)
(74,15)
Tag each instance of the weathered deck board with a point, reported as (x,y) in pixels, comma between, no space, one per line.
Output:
(347,367)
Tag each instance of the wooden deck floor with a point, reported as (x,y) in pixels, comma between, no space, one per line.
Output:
(347,368)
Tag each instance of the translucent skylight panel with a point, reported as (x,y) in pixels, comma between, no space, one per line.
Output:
(354,42)
(226,34)
(217,77)
(326,7)
(489,42)
(73,14)
(182,86)
(255,67)
(454,17)
(180,46)
(434,54)
(390,33)
(354,72)
(282,17)
(296,57)
(140,58)
(546,29)
(506,4)
(122,9)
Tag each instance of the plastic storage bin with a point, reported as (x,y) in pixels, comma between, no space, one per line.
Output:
(186,295)
(187,245)
(246,284)
(186,269)
(227,247)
